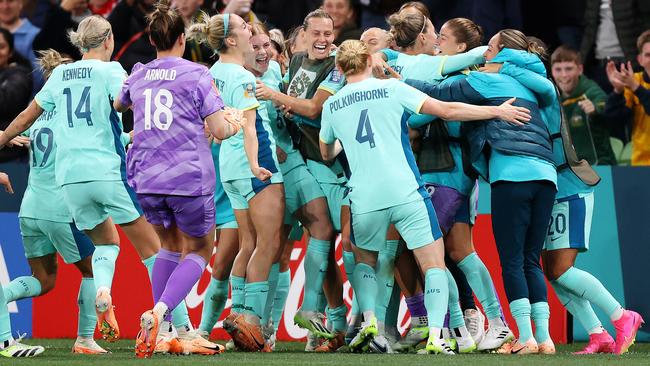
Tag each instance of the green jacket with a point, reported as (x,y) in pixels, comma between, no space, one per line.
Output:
(585,129)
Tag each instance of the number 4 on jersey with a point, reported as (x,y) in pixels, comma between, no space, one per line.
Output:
(365,127)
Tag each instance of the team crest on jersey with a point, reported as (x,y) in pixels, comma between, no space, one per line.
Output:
(336,76)
(249,90)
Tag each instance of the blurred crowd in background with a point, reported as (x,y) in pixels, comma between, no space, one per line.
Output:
(606,107)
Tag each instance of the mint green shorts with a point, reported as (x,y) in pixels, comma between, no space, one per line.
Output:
(300,187)
(336,195)
(91,203)
(42,237)
(228,225)
(415,221)
(240,191)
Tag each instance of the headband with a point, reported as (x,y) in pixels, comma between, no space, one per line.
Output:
(226,20)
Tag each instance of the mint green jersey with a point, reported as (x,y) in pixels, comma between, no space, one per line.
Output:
(89,136)
(43,198)
(369,118)
(237,88)
(432,68)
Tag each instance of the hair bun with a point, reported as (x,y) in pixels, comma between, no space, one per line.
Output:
(163,6)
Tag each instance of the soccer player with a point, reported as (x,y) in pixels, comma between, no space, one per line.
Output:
(376,39)
(170,167)
(415,35)
(302,201)
(10,347)
(367,116)
(453,200)
(310,80)
(47,227)
(521,171)
(250,177)
(216,294)
(568,231)
(91,160)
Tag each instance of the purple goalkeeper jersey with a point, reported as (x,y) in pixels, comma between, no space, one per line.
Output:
(170,98)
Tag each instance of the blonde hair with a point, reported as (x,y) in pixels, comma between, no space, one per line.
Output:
(277,37)
(352,57)
(642,40)
(406,27)
(48,60)
(90,33)
(517,40)
(209,30)
(259,28)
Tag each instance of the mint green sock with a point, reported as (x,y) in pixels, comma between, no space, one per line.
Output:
(273,286)
(336,317)
(349,263)
(214,302)
(578,307)
(315,270)
(255,297)
(456,317)
(540,313)
(584,284)
(86,302)
(180,316)
(322,301)
(104,258)
(281,293)
(385,278)
(22,288)
(365,286)
(520,310)
(5,322)
(436,296)
(480,281)
(237,293)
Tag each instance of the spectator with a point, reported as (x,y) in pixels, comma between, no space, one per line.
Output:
(584,103)
(129,23)
(376,39)
(243,8)
(102,7)
(343,15)
(495,15)
(285,14)
(190,10)
(570,21)
(375,12)
(15,89)
(59,19)
(631,99)
(609,34)
(24,33)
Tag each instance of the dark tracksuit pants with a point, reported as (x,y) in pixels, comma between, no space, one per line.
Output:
(520,215)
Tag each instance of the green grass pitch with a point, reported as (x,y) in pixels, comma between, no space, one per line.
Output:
(58,353)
